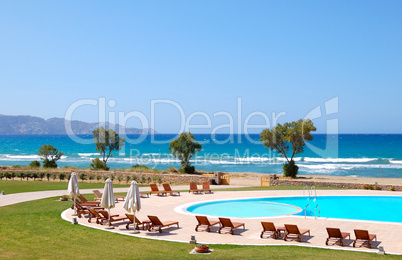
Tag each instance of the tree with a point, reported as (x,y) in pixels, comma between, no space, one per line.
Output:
(106,142)
(183,148)
(97,164)
(281,136)
(21,175)
(62,176)
(48,176)
(49,155)
(34,164)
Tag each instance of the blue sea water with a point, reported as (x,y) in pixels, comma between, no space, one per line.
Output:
(369,155)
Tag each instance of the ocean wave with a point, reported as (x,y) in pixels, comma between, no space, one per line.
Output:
(337,160)
(349,166)
(87,154)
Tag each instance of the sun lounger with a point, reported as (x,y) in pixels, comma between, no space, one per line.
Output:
(113,218)
(145,223)
(203,221)
(156,224)
(206,188)
(168,189)
(83,210)
(194,188)
(144,194)
(154,189)
(98,196)
(294,232)
(335,234)
(364,236)
(85,202)
(270,229)
(226,223)
(95,214)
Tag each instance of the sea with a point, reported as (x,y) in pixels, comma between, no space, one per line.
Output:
(356,155)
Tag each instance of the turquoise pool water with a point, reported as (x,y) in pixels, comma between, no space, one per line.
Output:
(372,208)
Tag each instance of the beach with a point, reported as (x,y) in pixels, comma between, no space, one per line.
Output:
(254,179)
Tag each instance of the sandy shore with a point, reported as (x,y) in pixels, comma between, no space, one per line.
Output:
(254,179)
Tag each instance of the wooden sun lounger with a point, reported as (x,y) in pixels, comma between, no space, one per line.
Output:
(168,189)
(113,218)
(270,229)
(83,210)
(85,202)
(364,236)
(154,189)
(145,223)
(203,221)
(206,188)
(194,188)
(335,235)
(156,224)
(95,214)
(226,223)
(295,232)
(98,196)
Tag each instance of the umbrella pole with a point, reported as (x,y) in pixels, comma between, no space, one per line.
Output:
(135,231)
(75,205)
(109,226)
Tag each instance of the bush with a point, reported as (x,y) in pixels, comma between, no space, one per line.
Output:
(376,187)
(35,175)
(49,164)
(187,169)
(62,176)
(48,176)
(34,164)
(157,179)
(98,164)
(290,169)
(83,176)
(128,178)
(392,188)
(368,187)
(98,177)
(1,175)
(21,175)
(119,178)
(91,177)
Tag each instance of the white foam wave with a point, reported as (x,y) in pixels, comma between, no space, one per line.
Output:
(395,161)
(87,154)
(337,160)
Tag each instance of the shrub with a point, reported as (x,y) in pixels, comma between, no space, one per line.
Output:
(376,187)
(91,177)
(143,179)
(135,178)
(98,164)
(98,177)
(48,176)
(62,176)
(34,164)
(392,188)
(83,176)
(157,179)
(290,169)
(1,175)
(35,175)
(21,175)
(54,176)
(41,175)
(13,174)
(119,178)
(367,187)
(140,166)
(104,177)
(128,178)
(28,175)
(187,169)
(7,175)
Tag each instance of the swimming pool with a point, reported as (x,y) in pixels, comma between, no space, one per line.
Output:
(371,208)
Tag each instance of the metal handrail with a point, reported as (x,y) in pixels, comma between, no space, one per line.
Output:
(319,212)
(315,192)
(308,190)
(305,210)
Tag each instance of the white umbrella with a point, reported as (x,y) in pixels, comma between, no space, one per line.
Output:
(132,201)
(108,198)
(73,189)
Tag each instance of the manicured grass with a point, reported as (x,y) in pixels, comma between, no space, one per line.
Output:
(35,230)
(14,186)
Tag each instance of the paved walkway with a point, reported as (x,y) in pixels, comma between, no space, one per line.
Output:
(168,208)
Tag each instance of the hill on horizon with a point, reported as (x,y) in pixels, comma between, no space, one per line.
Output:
(31,125)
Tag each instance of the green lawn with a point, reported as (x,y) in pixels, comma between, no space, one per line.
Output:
(11,186)
(35,230)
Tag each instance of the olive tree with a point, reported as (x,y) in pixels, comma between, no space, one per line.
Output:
(49,154)
(106,142)
(183,148)
(288,140)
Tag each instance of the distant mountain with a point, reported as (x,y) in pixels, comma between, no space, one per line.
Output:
(31,125)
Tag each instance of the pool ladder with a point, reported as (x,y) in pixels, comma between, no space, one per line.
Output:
(311,212)
(310,191)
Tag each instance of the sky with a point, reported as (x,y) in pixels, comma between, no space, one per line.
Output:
(172,64)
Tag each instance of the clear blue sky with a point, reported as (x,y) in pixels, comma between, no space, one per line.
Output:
(277,56)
